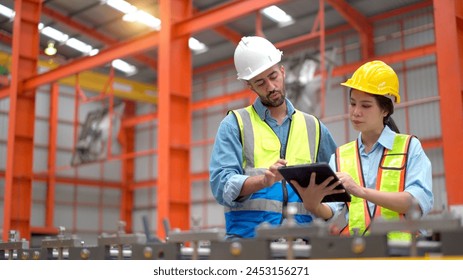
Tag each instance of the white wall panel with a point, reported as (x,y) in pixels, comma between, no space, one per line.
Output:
(64,193)
(2,195)
(387,39)
(87,218)
(65,135)
(41,132)
(38,211)
(111,216)
(88,195)
(112,171)
(146,167)
(42,103)
(3,156)
(425,120)
(64,216)
(40,159)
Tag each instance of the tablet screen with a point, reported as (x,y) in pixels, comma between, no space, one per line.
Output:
(301,173)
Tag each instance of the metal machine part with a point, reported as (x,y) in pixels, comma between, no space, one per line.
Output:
(120,243)
(329,247)
(195,237)
(9,250)
(435,223)
(287,241)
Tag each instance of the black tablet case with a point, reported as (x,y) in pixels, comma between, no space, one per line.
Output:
(301,174)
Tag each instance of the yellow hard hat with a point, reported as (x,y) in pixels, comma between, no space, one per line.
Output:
(375,77)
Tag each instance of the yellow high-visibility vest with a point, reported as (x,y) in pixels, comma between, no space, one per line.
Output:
(390,178)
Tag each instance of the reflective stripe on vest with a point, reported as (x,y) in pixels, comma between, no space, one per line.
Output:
(261,149)
(390,178)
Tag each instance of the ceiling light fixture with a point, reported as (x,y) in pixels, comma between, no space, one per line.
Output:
(121,5)
(197,46)
(54,34)
(125,67)
(79,45)
(51,50)
(9,13)
(143,17)
(278,15)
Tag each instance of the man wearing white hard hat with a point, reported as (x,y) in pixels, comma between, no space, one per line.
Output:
(252,142)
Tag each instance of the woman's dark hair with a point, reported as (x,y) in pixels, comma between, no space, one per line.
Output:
(386,104)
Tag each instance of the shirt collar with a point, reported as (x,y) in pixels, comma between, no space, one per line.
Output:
(386,139)
(263,112)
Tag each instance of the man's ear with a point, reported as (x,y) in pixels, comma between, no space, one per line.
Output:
(250,86)
(282,69)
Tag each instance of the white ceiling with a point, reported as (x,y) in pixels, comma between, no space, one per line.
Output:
(108,22)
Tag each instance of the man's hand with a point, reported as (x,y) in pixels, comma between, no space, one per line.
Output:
(272,175)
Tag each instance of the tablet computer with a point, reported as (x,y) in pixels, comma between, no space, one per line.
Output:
(301,173)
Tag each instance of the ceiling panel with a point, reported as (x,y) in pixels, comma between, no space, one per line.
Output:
(108,22)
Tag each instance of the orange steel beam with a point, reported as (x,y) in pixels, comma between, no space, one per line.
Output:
(359,22)
(53,128)
(152,63)
(321,26)
(18,177)
(223,99)
(6,38)
(174,84)
(5,92)
(201,21)
(258,23)
(226,32)
(133,121)
(119,50)
(449,52)
(229,34)
(127,136)
(195,106)
(80,181)
(389,58)
(314,35)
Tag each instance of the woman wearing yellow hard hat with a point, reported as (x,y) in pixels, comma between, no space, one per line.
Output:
(387,173)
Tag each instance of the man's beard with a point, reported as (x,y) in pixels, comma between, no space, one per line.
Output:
(268,102)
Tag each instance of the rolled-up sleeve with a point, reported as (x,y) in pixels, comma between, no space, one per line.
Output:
(418,180)
(225,170)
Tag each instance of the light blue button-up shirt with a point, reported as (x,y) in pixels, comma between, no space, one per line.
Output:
(226,171)
(418,178)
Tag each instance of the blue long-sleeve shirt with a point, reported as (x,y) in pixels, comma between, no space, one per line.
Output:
(418,179)
(226,171)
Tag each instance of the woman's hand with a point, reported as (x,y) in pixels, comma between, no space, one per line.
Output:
(350,185)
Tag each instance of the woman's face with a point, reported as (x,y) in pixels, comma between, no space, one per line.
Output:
(365,113)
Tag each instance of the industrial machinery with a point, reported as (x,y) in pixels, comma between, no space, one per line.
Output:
(287,241)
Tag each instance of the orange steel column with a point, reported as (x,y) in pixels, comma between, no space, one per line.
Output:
(18,175)
(53,130)
(174,84)
(127,137)
(448,17)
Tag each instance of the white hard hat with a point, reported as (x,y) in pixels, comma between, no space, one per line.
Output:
(254,55)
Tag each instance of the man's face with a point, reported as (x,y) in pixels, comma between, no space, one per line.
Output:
(270,86)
